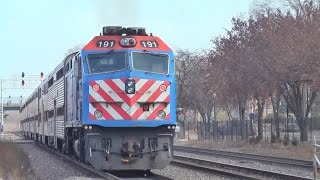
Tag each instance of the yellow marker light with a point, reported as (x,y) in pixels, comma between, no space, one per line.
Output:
(96,87)
(163,87)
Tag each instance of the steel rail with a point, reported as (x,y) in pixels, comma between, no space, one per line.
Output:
(234,171)
(245,156)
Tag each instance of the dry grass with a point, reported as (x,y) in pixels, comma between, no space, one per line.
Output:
(14,163)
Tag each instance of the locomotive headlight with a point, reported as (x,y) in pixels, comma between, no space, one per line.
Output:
(130,90)
(97,114)
(130,86)
(162,114)
(130,83)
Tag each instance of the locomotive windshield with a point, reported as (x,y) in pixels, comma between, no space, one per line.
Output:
(150,62)
(107,62)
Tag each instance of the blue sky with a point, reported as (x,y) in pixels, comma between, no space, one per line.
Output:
(36,34)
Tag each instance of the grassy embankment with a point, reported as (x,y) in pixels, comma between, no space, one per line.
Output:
(14,163)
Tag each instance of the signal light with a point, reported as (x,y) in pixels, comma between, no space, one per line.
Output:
(128,42)
(41,75)
(22,75)
(131,41)
(22,82)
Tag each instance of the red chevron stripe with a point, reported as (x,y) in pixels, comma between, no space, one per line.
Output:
(92,83)
(120,92)
(91,117)
(154,114)
(98,106)
(115,106)
(105,113)
(137,114)
(102,93)
(157,93)
(167,117)
(167,100)
(120,111)
(141,91)
(129,101)
(123,80)
(91,99)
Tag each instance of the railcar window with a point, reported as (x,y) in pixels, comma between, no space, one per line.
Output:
(45,90)
(45,116)
(107,62)
(50,114)
(39,93)
(60,74)
(150,62)
(50,83)
(60,111)
(66,68)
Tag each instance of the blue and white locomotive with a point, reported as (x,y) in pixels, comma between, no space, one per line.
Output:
(112,104)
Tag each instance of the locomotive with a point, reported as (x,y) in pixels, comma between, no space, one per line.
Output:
(111,105)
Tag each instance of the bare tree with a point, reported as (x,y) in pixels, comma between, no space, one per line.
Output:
(74,49)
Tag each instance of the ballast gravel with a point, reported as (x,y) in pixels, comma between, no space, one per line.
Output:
(48,166)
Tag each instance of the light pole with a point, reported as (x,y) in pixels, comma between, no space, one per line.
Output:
(1,127)
(13,83)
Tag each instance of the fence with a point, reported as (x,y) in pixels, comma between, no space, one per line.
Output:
(316,161)
(217,130)
(237,130)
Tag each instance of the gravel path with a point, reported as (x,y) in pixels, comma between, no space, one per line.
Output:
(304,172)
(180,173)
(48,166)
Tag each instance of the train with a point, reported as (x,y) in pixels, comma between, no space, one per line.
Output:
(112,104)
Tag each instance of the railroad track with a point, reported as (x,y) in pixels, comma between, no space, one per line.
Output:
(12,138)
(245,156)
(234,171)
(115,175)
